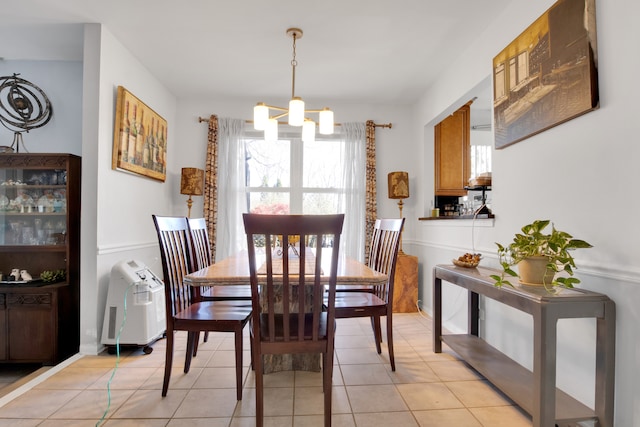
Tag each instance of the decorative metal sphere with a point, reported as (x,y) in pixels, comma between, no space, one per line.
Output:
(23,105)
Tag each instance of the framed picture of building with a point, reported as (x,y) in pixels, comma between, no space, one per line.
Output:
(139,138)
(548,74)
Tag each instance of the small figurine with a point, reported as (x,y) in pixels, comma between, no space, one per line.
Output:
(24,274)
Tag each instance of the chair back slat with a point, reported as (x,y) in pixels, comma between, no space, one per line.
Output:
(384,252)
(287,293)
(201,243)
(177,261)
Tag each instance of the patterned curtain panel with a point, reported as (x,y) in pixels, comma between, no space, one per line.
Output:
(211,183)
(371,196)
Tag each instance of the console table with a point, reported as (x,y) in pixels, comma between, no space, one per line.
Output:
(536,391)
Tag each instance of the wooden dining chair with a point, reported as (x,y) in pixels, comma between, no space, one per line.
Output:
(286,319)
(377,300)
(203,258)
(184,312)
(240,295)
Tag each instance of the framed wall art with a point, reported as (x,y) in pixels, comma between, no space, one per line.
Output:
(548,74)
(139,138)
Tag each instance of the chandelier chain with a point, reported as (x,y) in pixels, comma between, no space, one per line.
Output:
(294,64)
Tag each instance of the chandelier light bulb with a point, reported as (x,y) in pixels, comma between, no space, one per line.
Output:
(271,130)
(296,111)
(326,121)
(260,116)
(308,131)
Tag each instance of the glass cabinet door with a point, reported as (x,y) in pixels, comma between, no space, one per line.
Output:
(33,207)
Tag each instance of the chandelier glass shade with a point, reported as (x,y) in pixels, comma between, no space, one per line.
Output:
(265,117)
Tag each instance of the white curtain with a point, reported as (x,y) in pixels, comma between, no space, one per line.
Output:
(353,181)
(232,195)
(230,236)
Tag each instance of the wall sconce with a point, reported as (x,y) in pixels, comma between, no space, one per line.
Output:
(399,189)
(192,184)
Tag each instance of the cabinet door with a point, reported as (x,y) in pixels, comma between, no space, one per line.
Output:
(32,326)
(452,154)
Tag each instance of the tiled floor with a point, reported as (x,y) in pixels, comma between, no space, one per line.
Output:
(13,376)
(427,389)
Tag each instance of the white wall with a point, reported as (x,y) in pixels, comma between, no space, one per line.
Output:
(61,81)
(394,148)
(117,206)
(582,175)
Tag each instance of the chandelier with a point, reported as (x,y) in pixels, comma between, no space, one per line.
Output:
(263,120)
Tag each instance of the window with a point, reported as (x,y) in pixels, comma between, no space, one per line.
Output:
(289,176)
(292,176)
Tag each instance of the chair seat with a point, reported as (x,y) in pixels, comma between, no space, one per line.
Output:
(214,311)
(358,300)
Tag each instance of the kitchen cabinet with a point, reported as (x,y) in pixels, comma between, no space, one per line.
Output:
(453,153)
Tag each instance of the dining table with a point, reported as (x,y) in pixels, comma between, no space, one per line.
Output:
(234,271)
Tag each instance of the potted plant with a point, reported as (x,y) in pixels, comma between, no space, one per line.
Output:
(549,254)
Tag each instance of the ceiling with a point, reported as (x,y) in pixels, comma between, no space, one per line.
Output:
(386,51)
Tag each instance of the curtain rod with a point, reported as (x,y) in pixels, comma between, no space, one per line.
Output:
(381,125)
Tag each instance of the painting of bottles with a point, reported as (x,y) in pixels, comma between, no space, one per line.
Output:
(139,138)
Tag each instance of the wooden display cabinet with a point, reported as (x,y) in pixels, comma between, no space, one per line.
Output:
(39,231)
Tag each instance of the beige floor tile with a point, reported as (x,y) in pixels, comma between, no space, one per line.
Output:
(382,398)
(151,404)
(414,372)
(365,374)
(502,416)
(218,378)
(199,422)
(356,341)
(312,379)
(73,378)
(339,420)
(37,403)
(275,379)
(386,419)
(447,418)
(20,423)
(123,378)
(92,404)
(178,380)
(268,422)
(428,396)
(201,403)
(136,423)
(340,401)
(153,360)
(103,360)
(278,401)
(404,355)
(71,423)
(452,370)
(308,401)
(357,356)
(480,393)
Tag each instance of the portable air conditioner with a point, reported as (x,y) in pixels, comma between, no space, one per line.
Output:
(144,307)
